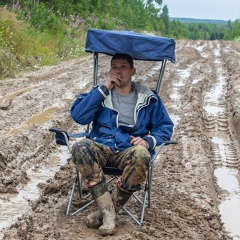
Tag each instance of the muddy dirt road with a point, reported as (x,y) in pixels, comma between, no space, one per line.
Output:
(201,92)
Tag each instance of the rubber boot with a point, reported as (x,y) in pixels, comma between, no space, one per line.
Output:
(120,197)
(106,208)
(94,220)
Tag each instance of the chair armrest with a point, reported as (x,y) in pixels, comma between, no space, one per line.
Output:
(169,142)
(159,148)
(62,137)
(56,130)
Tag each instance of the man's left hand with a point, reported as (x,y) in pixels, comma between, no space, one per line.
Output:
(138,141)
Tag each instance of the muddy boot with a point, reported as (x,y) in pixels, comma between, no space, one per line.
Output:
(106,208)
(120,197)
(94,220)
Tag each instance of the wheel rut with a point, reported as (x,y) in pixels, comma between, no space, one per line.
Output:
(216,118)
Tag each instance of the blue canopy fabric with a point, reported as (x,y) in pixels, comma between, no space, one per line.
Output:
(139,46)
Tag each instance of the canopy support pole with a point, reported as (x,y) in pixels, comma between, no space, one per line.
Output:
(95,69)
(160,78)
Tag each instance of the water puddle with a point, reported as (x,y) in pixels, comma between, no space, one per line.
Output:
(41,118)
(213,109)
(13,206)
(15,94)
(184,75)
(230,207)
(175,119)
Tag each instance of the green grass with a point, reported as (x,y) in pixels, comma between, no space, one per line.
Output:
(23,47)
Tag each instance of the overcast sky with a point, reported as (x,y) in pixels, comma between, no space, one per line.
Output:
(204,9)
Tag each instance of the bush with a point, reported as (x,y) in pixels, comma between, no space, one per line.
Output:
(29,40)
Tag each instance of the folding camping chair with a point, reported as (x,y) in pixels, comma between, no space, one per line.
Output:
(140,47)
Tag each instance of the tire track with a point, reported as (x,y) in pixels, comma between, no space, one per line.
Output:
(223,144)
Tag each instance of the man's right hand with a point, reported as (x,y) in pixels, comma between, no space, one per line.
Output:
(112,80)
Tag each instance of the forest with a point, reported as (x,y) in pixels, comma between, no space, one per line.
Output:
(34,33)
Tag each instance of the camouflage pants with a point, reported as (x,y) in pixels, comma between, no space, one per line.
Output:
(90,156)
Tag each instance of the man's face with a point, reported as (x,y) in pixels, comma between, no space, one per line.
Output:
(122,69)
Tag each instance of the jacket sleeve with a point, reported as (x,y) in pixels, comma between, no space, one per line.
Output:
(161,128)
(86,105)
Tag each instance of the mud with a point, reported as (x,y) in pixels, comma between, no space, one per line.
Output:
(201,92)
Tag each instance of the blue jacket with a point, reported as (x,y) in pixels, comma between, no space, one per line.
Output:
(152,122)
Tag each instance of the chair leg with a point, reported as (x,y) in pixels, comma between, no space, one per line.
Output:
(77,184)
(139,220)
(146,202)
(79,181)
(149,185)
(71,196)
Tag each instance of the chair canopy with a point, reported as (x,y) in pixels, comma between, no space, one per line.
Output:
(139,46)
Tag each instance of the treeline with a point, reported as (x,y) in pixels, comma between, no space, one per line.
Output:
(34,33)
(206,31)
(138,15)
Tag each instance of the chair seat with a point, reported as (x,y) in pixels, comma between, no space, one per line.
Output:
(112,171)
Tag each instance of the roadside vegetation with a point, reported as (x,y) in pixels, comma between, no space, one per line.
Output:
(35,33)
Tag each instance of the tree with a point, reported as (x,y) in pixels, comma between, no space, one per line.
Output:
(165,18)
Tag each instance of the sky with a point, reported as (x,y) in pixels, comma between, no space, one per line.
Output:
(204,9)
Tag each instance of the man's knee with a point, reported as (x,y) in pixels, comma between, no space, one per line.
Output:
(84,143)
(81,149)
(142,154)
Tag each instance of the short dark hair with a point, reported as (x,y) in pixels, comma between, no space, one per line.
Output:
(124,56)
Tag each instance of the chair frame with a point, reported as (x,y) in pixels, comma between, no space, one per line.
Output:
(154,48)
(114,173)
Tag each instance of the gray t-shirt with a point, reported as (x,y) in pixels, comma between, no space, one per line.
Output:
(125,105)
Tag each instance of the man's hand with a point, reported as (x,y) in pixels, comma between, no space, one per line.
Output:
(139,141)
(112,80)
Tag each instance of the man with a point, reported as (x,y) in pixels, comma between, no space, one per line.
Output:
(128,122)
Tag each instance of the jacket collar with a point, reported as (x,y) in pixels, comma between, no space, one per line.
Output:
(144,94)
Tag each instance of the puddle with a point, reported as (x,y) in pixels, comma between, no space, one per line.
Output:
(175,95)
(196,81)
(213,109)
(43,117)
(215,93)
(13,206)
(201,47)
(15,94)
(184,75)
(175,119)
(230,207)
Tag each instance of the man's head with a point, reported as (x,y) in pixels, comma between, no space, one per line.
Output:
(123,56)
(121,72)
